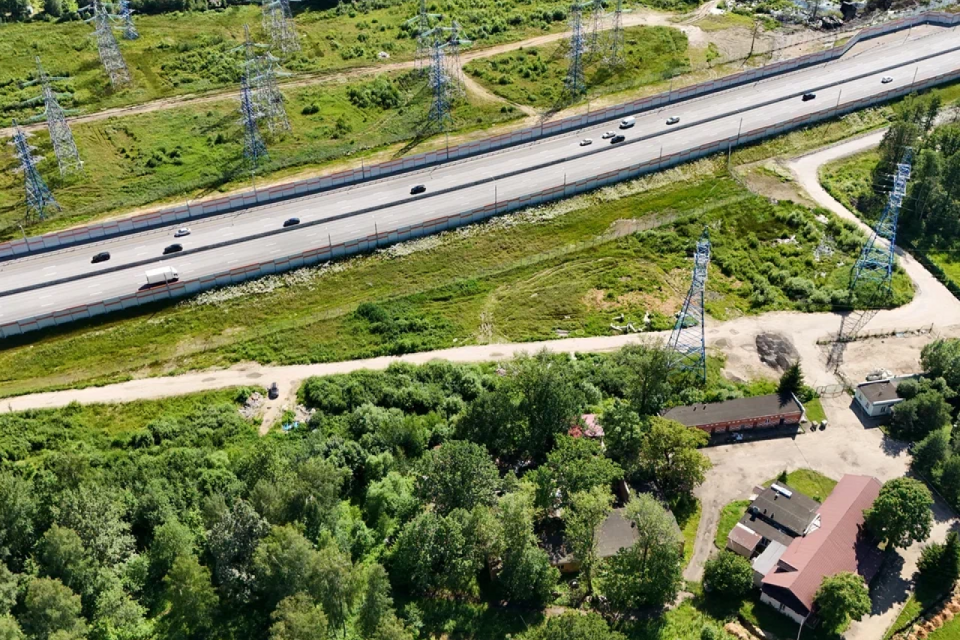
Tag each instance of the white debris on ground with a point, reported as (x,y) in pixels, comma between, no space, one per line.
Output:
(251,408)
(302,415)
(411,246)
(266,284)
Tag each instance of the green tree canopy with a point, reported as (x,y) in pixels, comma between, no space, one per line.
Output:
(646,370)
(901,514)
(729,574)
(581,519)
(791,381)
(52,610)
(841,598)
(939,564)
(457,475)
(18,511)
(9,628)
(941,359)
(298,617)
(576,464)
(191,598)
(574,626)
(650,572)
(525,574)
(669,453)
(931,452)
(913,419)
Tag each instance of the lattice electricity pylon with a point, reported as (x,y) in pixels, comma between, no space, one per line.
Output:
(279,25)
(126,14)
(39,198)
(688,339)
(424,59)
(440,89)
(597,16)
(451,39)
(574,84)
(875,264)
(110,56)
(615,56)
(261,70)
(253,148)
(60,135)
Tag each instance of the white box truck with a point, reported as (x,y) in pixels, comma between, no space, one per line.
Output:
(162,275)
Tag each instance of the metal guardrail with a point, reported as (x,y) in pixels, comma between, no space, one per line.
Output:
(180,214)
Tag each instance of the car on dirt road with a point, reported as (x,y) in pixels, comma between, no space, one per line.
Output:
(273,392)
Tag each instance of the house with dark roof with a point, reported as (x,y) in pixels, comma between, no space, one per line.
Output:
(779,514)
(836,542)
(739,414)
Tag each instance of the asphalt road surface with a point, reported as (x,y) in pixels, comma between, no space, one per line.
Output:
(702,120)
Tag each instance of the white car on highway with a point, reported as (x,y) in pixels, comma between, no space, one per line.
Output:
(182,231)
(586,142)
(609,134)
(886,80)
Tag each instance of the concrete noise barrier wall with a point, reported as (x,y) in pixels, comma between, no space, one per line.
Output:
(386,237)
(246,199)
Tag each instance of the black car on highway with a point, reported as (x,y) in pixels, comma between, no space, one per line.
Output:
(172,248)
(103,256)
(808,96)
(291,222)
(616,139)
(420,188)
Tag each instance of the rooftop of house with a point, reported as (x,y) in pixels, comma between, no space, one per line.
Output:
(879,391)
(785,506)
(769,558)
(838,544)
(616,532)
(744,536)
(587,426)
(696,415)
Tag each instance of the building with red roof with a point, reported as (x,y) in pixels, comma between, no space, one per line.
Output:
(835,542)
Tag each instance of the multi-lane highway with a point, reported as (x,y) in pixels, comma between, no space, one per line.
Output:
(67,278)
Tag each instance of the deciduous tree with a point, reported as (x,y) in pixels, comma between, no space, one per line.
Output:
(52,610)
(939,564)
(931,452)
(901,514)
(669,453)
(191,597)
(841,598)
(576,464)
(728,574)
(574,626)
(646,370)
(583,517)
(298,617)
(456,475)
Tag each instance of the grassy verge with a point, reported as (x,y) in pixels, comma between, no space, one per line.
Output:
(815,412)
(190,152)
(845,178)
(920,599)
(809,482)
(571,267)
(729,516)
(689,520)
(181,53)
(772,622)
(535,75)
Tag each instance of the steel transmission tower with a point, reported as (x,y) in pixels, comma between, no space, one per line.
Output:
(615,56)
(60,135)
(110,55)
(253,148)
(596,27)
(574,84)
(126,14)
(688,339)
(875,263)
(440,89)
(279,25)
(39,198)
(424,45)
(261,69)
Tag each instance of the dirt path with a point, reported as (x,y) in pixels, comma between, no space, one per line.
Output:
(638,18)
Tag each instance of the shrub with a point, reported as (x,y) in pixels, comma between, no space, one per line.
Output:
(728,574)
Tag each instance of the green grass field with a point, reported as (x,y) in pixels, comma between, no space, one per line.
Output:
(189,152)
(729,516)
(562,268)
(809,482)
(180,53)
(535,75)
(689,520)
(815,411)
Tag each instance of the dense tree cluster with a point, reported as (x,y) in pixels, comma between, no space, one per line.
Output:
(432,481)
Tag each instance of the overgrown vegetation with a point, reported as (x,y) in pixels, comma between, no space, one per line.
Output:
(173,519)
(518,278)
(535,75)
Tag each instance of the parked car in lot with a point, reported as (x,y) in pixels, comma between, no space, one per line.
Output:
(172,248)
(808,96)
(273,392)
(586,142)
(609,134)
(886,79)
(103,256)
(182,231)
(420,188)
(673,120)
(735,437)
(616,139)
(289,222)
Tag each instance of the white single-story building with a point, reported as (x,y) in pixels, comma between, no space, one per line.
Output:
(878,398)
